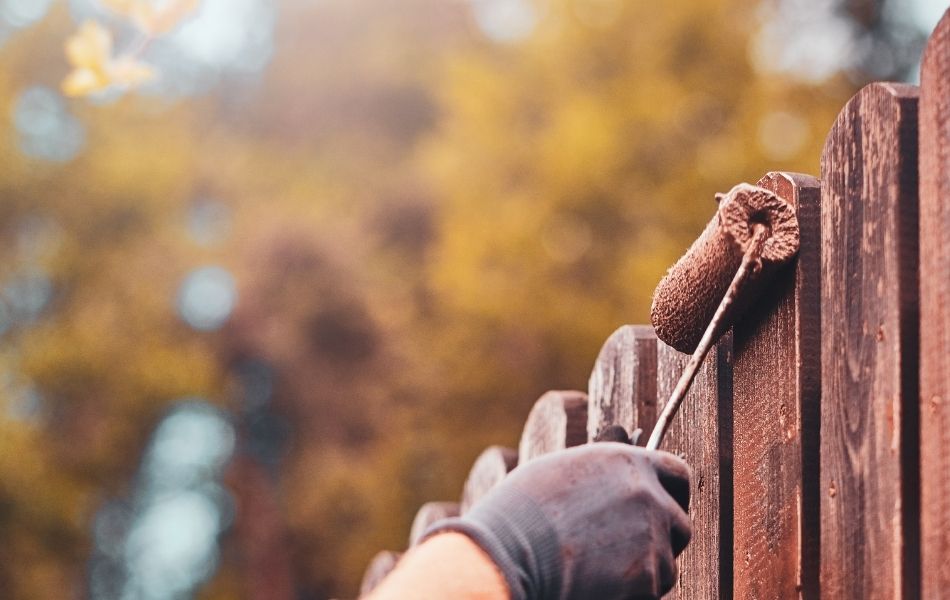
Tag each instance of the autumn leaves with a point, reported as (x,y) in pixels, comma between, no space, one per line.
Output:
(91,51)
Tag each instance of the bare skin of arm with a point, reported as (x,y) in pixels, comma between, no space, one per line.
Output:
(448,565)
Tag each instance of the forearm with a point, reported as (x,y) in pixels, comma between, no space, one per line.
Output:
(448,565)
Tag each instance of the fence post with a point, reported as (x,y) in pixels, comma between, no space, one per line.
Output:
(869,322)
(702,434)
(557,421)
(777,375)
(491,466)
(622,387)
(429,513)
(935,312)
(379,567)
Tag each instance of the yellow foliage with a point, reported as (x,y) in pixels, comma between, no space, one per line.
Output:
(94,68)
(89,51)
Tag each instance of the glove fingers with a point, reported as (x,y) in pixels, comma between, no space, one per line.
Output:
(673,474)
(654,582)
(667,573)
(681,530)
(613,433)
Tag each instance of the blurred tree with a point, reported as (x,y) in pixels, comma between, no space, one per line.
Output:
(863,40)
(888,41)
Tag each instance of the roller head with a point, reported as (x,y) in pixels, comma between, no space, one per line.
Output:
(687,297)
(746,205)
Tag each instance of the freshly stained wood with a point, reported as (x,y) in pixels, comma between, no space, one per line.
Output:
(557,421)
(776,416)
(935,312)
(489,469)
(429,513)
(622,387)
(381,566)
(869,330)
(702,434)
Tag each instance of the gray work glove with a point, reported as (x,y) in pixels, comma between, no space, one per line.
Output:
(602,521)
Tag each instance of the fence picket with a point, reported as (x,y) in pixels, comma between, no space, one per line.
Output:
(622,387)
(557,421)
(702,434)
(776,416)
(379,567)
(869,322)
(429,513)
(489,469)
(935,313)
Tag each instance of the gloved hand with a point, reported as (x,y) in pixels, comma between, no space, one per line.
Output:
(603,521)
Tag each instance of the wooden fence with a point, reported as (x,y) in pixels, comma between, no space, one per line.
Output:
(818,430)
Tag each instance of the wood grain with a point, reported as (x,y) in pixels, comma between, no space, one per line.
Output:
(777,376)
(622,388)
(701,433)
(489,469)
(558,420)
(429,513)
(381,566)
(935,312)
(869,324)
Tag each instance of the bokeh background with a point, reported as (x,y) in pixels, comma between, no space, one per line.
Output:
(255,313)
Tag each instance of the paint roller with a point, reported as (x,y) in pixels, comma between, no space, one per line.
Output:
(752,234)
